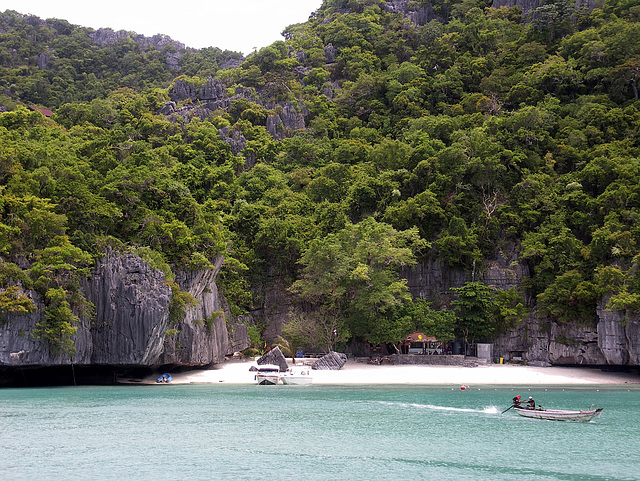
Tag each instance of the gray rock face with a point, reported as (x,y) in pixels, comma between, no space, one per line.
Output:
(43,60)
(433,279)
(282,125)
(212,93)
(274,356)
(131,325)
(614,341)
(19,346)
(419,14)
(202,336)
(528,5)
(618,335)
(330,53)
(275,309)
(332,361)
(104,36)
(132,311)
(234,138)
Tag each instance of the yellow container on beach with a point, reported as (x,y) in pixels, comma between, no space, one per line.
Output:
(502,360)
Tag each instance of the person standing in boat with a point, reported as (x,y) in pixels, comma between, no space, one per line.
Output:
(531,403)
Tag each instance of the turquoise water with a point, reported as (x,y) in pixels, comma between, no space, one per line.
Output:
(198,432)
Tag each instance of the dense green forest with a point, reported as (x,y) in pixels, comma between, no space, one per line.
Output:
(480,131)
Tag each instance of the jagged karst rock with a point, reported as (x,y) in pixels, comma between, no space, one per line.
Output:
(212,93)
(168,108)
(43,60)
(275,309)
(528,5)
(202,336)
(235,139)
(418,13)
(618,335)
(332,361)
(238,337)
(330,53)
(274,356)
(104,36)
(283,124)
(432,279)
(132,311)
(19,347)
(131,321)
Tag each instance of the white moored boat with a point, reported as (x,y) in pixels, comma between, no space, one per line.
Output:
(268,374)
(558,415)
(297,376)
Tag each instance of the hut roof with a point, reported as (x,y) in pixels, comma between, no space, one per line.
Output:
(43,111)
(419,337)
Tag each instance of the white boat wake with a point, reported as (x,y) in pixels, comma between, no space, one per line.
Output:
(486,410)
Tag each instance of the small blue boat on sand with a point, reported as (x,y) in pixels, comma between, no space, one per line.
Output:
(166,377)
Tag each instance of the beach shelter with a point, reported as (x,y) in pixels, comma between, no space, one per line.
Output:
(419,343)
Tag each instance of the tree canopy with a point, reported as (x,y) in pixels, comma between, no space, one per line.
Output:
(359,144)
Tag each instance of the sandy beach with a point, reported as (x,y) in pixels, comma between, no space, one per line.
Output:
(356,373)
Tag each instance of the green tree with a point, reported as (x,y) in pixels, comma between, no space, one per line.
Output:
(56,275)
(355,273)
(477,311)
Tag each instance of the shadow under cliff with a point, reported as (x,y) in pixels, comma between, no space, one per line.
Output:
(72,375)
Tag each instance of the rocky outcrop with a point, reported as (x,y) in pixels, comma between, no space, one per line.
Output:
(203,100)
(132,311)
(275,308)
(212,93)
(418,13)
(433,279)
(528,6)
(201,337)
(275,357)
(236,141)
(131,326)
(287,121)
(615,340)
(104,36)
(332,361)
(20,345)
(618,335)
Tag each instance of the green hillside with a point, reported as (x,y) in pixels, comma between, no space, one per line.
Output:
(453,140)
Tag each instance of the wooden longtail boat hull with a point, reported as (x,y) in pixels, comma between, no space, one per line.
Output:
(557,415)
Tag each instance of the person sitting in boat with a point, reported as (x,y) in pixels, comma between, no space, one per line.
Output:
(531,403)
(517,401)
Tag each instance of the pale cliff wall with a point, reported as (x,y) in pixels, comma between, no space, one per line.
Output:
(615,340)
(131,322)
(529,5)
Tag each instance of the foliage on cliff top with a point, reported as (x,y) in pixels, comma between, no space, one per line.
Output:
(477,131)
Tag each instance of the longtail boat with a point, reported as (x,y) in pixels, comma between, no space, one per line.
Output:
(558,415)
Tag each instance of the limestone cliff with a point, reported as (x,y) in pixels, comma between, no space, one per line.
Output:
(615,340)
(131,325)
(528,6)
(188,101)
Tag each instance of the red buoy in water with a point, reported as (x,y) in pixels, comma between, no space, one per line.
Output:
(463,387)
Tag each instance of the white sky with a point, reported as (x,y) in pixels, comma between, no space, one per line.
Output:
(238,25)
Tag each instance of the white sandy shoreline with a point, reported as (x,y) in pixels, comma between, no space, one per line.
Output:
(355,373)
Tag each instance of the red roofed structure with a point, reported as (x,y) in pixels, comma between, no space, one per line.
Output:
(43,111)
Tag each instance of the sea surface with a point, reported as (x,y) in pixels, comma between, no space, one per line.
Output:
(223,432)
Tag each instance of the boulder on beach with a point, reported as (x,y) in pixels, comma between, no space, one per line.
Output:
(332,361)
(274,356)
